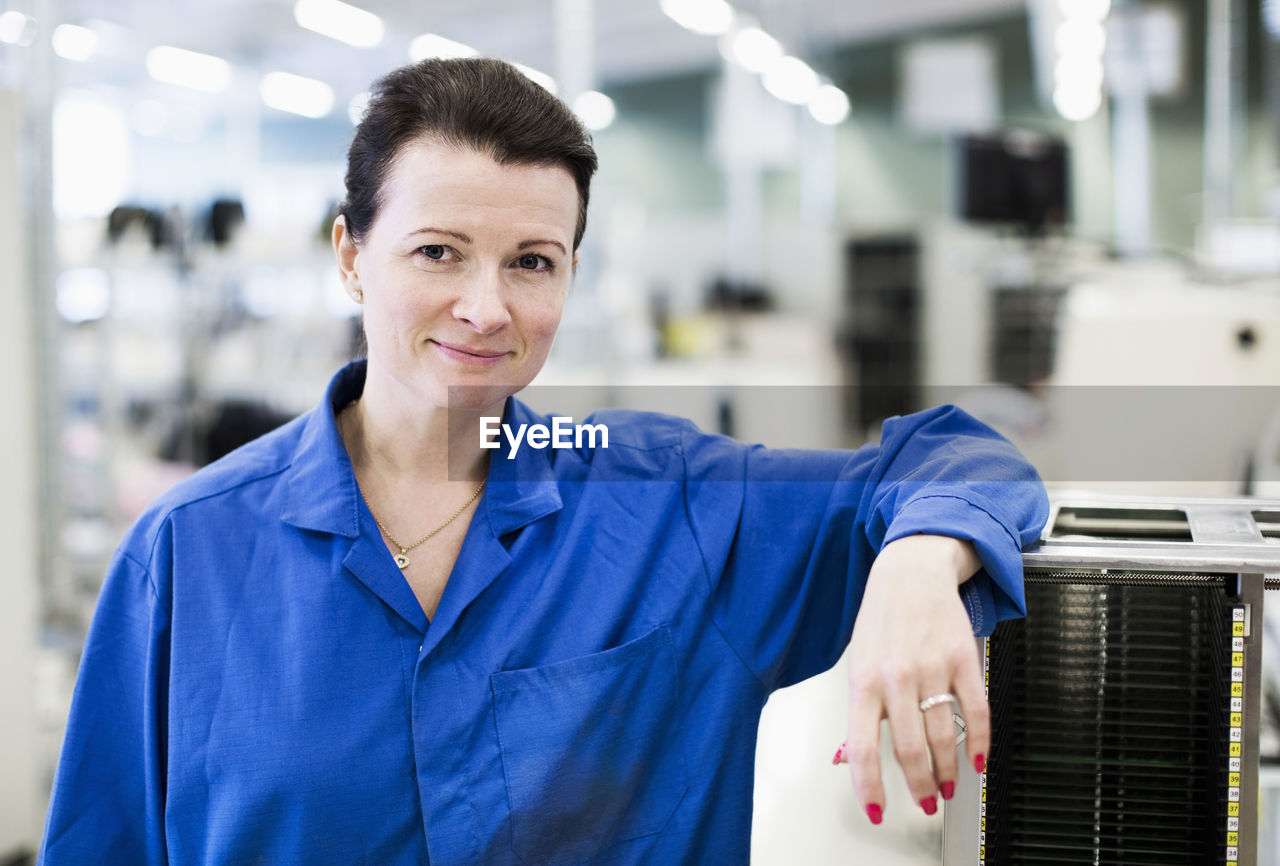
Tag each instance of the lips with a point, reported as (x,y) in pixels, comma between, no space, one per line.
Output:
(472,357)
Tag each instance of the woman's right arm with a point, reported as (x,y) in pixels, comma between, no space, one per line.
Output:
(107,804)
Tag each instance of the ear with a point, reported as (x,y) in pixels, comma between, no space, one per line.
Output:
(576,255)
(347,254)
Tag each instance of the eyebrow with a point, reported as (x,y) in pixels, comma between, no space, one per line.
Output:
(524,245)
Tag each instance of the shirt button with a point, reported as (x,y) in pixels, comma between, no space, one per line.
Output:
(419,647)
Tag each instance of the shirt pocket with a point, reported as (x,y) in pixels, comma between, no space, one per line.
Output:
(590,749)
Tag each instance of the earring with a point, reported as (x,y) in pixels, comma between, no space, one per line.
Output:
(358,294)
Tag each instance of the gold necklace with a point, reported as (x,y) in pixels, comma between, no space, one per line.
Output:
(402,558)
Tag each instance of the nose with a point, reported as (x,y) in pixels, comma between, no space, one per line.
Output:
(482,304)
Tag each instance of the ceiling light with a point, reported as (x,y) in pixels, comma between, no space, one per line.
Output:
(596,110)
(82,294)
(296,94)
(357,106)
(340,21)
(188,69)
(1078,36)
(71,42)
(791,80)
(1090,10)
(829,105)
(1077,103)
(1078,71)
(542,78)
(431,45)
(16,28)
(752,48)
(1270,17)
(708,17)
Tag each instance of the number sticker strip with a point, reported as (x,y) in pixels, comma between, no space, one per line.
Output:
(1235,716)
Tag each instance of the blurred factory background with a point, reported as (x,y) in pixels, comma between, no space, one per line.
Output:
(810,215)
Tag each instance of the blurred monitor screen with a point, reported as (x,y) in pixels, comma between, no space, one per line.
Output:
(1015,178)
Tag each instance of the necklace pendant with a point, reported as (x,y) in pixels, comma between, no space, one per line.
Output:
(402,560)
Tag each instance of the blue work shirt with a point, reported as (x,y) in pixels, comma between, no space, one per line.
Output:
(260,684)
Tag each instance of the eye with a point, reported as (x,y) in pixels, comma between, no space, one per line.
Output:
(433,251)
(533,262)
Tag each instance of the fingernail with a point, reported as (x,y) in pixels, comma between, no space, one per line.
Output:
(875,813)
(948,790)
(929,804)
(839,754)
(979,763)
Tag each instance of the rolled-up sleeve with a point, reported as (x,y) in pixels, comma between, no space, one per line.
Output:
(788,537)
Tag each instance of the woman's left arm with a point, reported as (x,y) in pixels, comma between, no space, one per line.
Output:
(943,515)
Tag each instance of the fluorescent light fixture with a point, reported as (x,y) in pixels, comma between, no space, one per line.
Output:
(829,105)
(1089,10)
(340,21)
(82,295)
(791,80)
(356,107)
(537,77)
(1077,103)
(752,48)
(1077,36)
(72,42)
(1270,17)
(16,28)
(431,45)
(188,69)
(596,110)
(296,94)
(1078,71)
(708,17)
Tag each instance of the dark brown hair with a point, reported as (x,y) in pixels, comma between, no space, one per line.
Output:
(478,103)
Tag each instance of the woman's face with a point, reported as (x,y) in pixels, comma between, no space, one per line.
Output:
(464,274)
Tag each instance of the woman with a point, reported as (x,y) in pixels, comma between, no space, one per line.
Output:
(365,638)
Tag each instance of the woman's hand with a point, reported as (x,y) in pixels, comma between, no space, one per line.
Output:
(913,640)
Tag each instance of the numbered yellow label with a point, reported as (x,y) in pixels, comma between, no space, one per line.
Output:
(1237,629)
(1237,690)
(984,795)
(1233,809)
(983,824)
(1233,838)
(1237,660)
(1234,750)
(1233,779)
(1235,720)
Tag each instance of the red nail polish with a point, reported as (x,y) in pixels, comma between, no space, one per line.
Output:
(839,754)
(875,813)
(929,804)
(948,790)
(980,763)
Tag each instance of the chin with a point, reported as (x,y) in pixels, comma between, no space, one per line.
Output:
(477,397)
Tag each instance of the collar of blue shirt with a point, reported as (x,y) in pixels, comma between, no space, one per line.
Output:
(323,495)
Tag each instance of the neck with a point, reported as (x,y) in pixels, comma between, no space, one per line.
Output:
(389,439)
